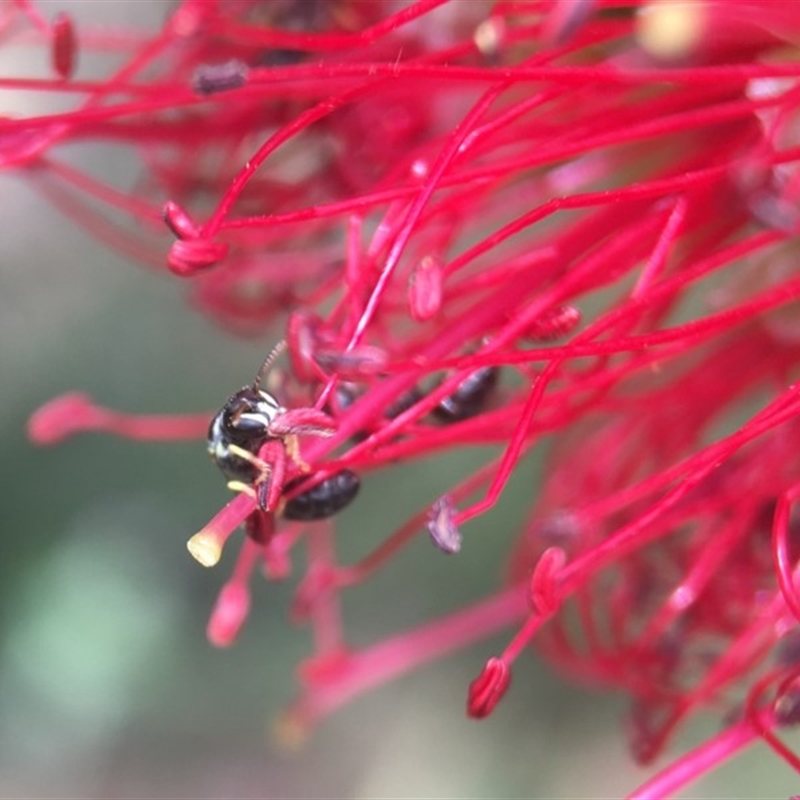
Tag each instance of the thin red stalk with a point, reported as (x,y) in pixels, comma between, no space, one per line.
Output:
(324,42)
(372,562)
(695,469)
(366,669)
(694,764)
(325,610)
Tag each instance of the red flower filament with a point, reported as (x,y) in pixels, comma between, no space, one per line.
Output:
(593,203)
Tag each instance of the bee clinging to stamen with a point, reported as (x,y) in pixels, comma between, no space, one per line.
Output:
(250,437)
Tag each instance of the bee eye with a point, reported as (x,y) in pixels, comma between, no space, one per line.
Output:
(248,423)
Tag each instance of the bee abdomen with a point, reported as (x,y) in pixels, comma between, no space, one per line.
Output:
(323,500)
(470,396)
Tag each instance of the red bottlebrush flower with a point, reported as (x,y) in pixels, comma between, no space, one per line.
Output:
(558,224)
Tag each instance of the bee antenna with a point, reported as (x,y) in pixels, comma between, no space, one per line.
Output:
(268,362)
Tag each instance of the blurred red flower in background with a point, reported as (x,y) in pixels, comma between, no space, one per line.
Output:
(566,224)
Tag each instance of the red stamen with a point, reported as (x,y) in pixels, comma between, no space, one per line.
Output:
(65,45)
(487,690)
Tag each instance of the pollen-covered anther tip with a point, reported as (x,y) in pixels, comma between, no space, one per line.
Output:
(205,547)
(229,614)
(443,530)
(489,36)
(62,417)
(670,30)
(488,689)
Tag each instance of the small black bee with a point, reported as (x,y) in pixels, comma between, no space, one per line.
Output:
(469,397)
(250,419)
(323,500)
(403,403)
(241,426)
(348,393)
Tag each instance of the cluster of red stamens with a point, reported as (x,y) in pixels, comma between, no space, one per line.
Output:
(596,200)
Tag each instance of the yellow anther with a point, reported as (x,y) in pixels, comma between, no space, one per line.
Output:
(205,548)
(669,29)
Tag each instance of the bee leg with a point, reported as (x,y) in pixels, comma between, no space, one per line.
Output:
(269,484)
(262,485)
(243,488)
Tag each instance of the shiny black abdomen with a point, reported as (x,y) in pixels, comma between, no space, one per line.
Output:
(323,500)
(469,397)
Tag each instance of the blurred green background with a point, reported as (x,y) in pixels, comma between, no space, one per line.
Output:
(107,685)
